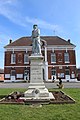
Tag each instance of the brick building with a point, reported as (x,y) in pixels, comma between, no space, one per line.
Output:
(59,59)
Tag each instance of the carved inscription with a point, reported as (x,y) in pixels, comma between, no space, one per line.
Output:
(36,74)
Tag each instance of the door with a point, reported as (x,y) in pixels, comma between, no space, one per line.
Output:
(67,74)
(53,74)
(26,75)
(13,75)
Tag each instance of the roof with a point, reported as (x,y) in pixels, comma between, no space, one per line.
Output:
(1,71)
(51,40)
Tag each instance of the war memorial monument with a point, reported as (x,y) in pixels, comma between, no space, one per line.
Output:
(37,89)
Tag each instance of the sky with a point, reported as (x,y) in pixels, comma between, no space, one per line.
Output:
(53,17)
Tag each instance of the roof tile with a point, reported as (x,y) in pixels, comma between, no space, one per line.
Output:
(51,40)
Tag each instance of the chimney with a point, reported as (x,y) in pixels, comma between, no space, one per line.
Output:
(10,41)
(69,40)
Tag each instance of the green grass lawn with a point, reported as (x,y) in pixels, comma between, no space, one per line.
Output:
(46,112)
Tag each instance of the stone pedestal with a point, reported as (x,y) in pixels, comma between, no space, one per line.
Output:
(37,89)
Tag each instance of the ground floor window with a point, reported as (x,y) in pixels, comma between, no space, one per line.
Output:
(60,75)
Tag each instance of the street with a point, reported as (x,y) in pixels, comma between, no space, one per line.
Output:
(48,85)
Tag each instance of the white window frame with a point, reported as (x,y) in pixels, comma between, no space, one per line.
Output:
(19,75)
(26,55)
(53,58)
(60,75)
(66,57)
(13,58)
(7,75)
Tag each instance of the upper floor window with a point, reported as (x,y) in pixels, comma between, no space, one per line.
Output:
(26,58)
(13,58)
(53,58)
(19,57)
(66,57)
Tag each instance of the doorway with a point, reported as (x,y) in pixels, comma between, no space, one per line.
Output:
(26,75)
(13,75)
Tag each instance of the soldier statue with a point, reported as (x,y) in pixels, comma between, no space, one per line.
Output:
(36,44)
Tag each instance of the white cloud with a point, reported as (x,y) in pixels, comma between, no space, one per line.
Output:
(43,24)
(7,2)
(8,8)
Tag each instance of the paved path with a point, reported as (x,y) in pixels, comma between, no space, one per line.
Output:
(48,85)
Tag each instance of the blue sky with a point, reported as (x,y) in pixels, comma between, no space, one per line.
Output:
(18,16)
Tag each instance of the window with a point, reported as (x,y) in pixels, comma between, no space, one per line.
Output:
(60,75)
(66,57)
(7,75)
(53,71)
(53,58)
(13,58)
(19,75)
(26,58)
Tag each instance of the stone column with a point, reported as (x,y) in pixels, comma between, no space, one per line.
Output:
(46,65)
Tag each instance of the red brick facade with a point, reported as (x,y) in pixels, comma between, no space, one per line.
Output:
(59,68)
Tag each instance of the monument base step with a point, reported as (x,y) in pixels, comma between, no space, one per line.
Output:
(38,93)
(50,97)
(36,85)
